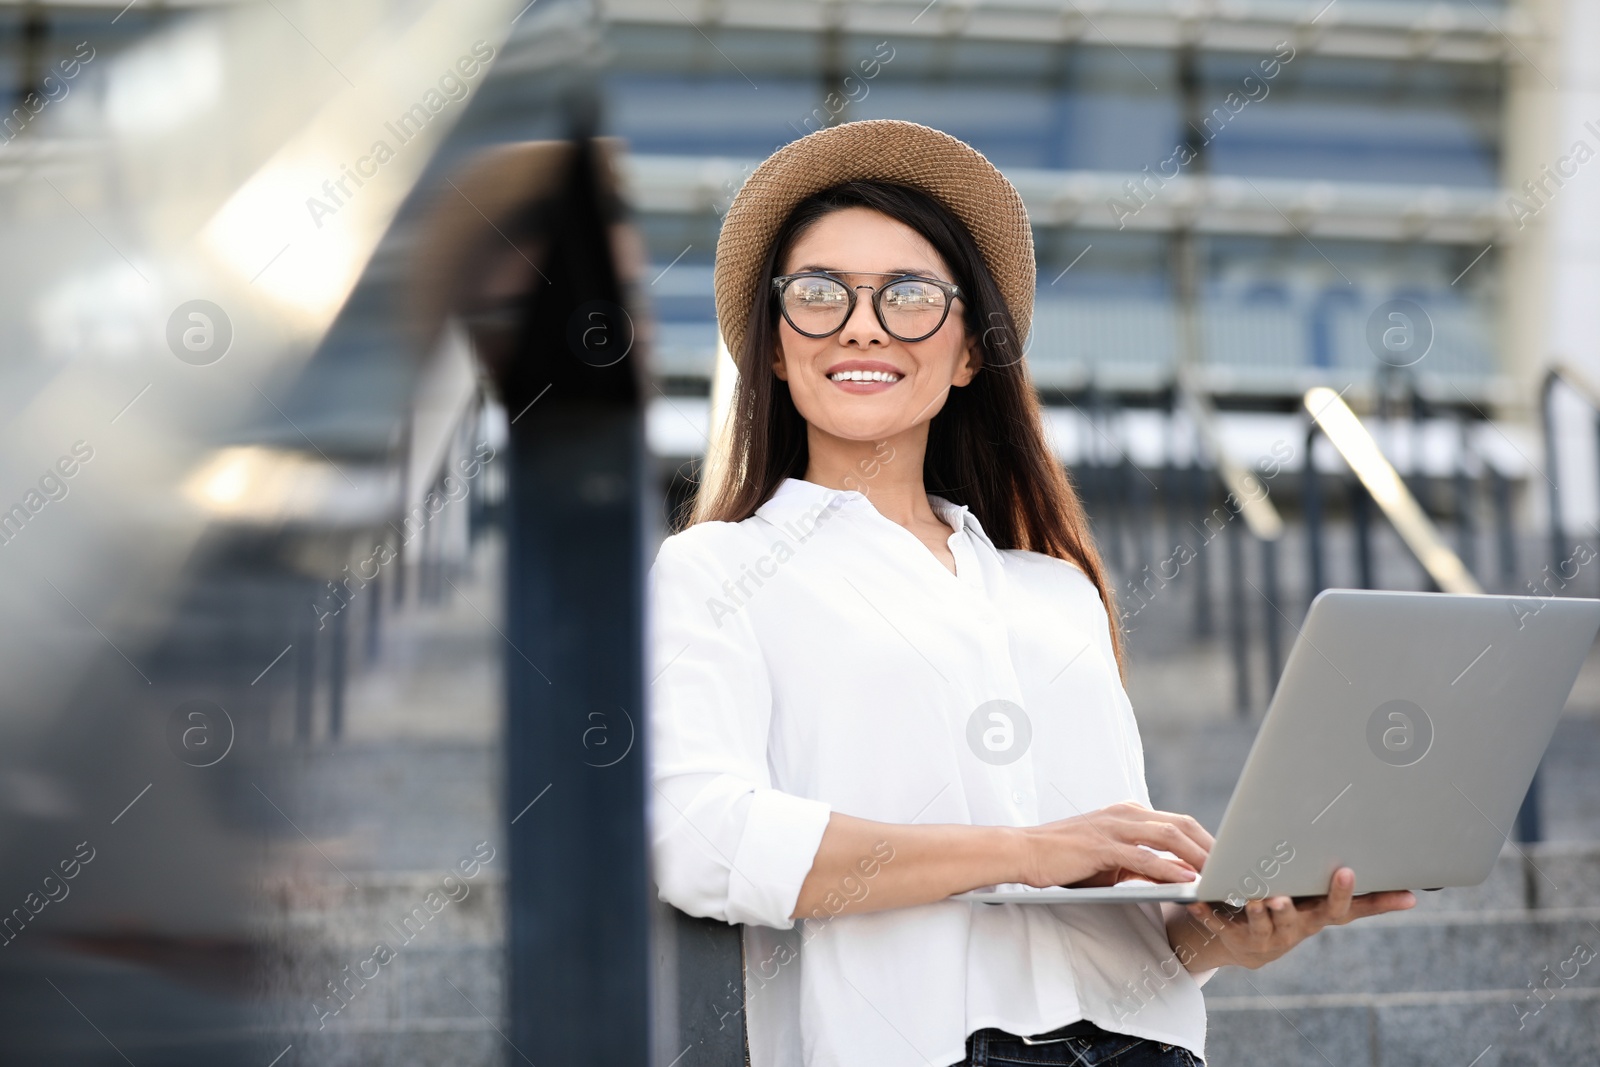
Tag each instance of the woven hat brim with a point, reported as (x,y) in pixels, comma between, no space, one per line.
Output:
(889,150)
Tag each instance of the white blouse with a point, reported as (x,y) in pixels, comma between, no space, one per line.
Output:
(817,657)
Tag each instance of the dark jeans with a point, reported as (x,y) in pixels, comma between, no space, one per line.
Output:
(1080,1044)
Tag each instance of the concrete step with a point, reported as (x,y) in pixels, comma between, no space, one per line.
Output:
(418,981)
(454,910)
(1480,1029)
(1559,874)
(444,951)
(390,804)
(1450,982)
(418,1042)
(1440,952)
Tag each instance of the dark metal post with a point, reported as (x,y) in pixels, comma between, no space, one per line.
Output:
(1465,506)
(1530,817)
(1141,515)
(1361,517)
(1270,616)
(1171,490)
(401,556)
(1312,492)
(1506,534)
(427,561)
(579,923)
(374,617)
(305,674)
(1558,540)
(338,656)
(1238,629)
(1199,480)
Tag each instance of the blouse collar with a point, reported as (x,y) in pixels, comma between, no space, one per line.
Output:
(796,498)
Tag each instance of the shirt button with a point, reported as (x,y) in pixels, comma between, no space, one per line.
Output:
(1016,797)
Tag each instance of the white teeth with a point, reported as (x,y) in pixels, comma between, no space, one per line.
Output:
(864,376)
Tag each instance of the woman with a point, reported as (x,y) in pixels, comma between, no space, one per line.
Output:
(885,669)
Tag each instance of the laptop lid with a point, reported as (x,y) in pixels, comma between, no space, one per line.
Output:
(1400,741)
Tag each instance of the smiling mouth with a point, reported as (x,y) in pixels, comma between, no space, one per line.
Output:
(864,376)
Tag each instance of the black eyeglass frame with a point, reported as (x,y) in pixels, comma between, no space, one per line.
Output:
(952,293)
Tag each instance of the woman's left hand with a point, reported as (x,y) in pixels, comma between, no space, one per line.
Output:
(1266,929)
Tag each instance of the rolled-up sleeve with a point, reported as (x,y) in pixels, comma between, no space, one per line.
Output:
(724,842)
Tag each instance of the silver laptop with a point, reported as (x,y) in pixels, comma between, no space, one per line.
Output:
(1400,742)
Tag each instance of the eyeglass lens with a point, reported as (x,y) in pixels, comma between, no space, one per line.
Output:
(911,309)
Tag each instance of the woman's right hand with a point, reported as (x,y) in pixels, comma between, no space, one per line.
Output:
(1102,848)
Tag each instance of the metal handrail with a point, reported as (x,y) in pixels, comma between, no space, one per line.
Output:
(1344,430)
(1589,392)
(1530,817)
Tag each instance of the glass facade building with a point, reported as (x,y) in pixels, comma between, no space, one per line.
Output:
(1308,184)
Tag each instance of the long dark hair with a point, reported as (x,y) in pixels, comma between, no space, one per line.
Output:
(986,446)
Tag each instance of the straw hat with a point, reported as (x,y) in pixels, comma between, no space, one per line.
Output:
(905,153)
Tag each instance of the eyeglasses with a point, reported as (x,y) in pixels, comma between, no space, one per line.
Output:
(910,308)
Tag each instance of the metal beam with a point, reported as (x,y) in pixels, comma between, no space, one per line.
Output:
(1146,202)
(1397,31)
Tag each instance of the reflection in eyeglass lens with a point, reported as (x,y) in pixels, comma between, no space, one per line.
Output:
(910,309)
